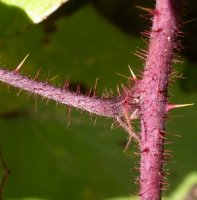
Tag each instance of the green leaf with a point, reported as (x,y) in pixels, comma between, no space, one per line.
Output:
(187,189)
(17,16)
(37,11)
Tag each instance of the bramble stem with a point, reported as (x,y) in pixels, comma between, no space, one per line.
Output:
(147,99)
(103,107)
(153,90)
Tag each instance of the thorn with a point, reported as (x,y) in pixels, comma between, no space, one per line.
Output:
(28,96)
(189,21)
(95,85)
(89,92)
(47,101)
(167,155)
(122,86)
(66,85)
(146,33)
(173,106)
(168,151)
(132,73)
(118,90)
(144,40)
(127,127)
(105,93)
(122,75)
(176,135)
(149,10)
(125,90)
(176,61)
(56,104)
(95,121)
(127,77)
(128,144)
(111,94)
(20,65)
(91,116)
(78,91)
(141,53)
(138,54)
(53,78)
(69,110)
(112,126)
(19,92)
(37,74)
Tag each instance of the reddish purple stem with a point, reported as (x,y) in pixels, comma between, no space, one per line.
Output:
(103,107)
(153,90)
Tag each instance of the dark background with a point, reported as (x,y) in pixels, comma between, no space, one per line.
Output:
(81,41)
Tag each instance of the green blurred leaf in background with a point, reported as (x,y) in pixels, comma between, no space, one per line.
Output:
(17,16)
(84,161)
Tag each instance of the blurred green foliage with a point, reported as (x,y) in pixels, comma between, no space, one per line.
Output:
(84,161)
(37,11)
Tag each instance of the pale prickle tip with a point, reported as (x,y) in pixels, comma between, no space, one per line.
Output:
(54,77)
(173,106)
(127,77)
(149,10)
(132,73)
(20,65)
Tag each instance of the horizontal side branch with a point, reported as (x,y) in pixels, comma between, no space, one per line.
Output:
(102,107)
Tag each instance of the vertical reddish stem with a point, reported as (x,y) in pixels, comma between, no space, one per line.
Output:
(153,92)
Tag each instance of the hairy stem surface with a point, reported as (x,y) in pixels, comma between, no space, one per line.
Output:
(103,107)
(153,91)
(148,97)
